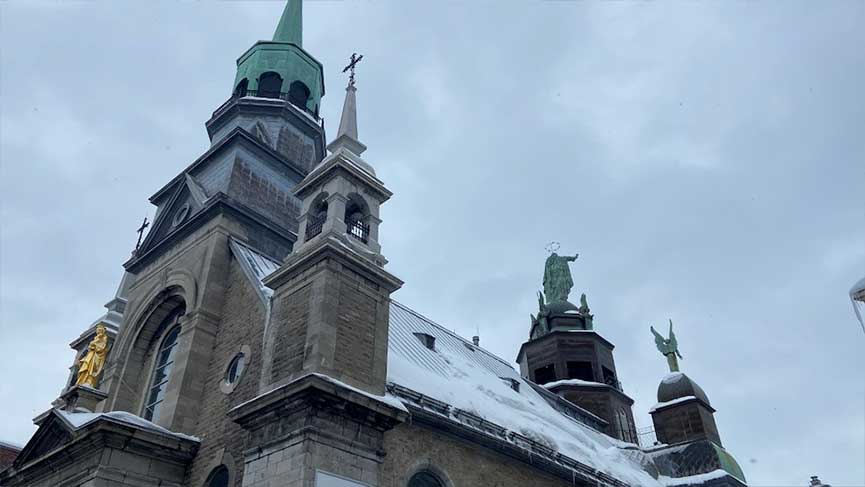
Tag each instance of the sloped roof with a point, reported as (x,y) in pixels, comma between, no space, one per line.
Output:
(470,382)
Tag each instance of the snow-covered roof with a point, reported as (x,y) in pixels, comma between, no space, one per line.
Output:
(470,385)
(469,378)
(78,420)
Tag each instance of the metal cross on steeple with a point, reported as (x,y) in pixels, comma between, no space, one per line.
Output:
(354,60)
(140,231)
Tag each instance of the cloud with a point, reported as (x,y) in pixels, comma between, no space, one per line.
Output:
(704,159)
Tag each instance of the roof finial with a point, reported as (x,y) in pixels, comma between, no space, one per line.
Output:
(290,27)
(346,136)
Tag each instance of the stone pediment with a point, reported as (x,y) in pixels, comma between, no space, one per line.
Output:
(188,199)
(68,445)
(52,434)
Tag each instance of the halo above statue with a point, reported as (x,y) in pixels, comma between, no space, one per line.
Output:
(553,247)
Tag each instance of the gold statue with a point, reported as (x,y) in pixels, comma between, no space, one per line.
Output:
(91,365)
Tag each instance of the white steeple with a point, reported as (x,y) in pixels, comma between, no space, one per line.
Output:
(346,137)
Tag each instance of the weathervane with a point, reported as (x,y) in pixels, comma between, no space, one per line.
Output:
(140,231)
(354,60)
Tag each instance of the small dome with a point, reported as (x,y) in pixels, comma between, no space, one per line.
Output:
(562,307)
(678,385)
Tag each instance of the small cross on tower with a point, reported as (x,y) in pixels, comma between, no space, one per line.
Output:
(140,231)
(354,60)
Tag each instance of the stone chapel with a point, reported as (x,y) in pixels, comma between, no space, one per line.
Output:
(253,341)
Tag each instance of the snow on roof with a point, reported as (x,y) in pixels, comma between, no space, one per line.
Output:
(467,377)
(79,420)
(670,403)
(694,479)
(572,382)
(672,377)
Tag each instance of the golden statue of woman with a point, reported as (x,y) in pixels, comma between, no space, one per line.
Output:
(91,365)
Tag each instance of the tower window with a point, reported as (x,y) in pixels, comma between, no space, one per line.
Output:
(610,377)
(298,94)
(545,374)
(240,90)
(269,85)
(162,367)
(581,370)
(355,214)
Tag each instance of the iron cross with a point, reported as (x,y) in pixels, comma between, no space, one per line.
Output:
(140,231)
(354,60)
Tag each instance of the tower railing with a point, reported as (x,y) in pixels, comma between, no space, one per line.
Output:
(314,225)
(283,95)
(359,230)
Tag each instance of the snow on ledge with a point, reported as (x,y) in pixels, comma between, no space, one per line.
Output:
(670,403)
(79,420)
(572,382)
(693,479)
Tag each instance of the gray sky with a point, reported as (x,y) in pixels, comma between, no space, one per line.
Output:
(706,159)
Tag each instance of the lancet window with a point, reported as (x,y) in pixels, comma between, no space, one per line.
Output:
(164,362)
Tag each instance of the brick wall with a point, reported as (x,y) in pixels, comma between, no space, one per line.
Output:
(242,324)
(409,448)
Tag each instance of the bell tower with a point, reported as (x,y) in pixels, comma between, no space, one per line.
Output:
(325,351)
(568,357)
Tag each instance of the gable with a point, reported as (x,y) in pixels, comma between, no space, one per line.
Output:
(187,200)
(52,434)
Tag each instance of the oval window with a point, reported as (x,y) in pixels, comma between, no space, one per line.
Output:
(235,368)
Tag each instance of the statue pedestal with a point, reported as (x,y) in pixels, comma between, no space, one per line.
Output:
(77,398)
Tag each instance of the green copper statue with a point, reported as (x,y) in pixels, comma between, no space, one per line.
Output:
(668,347)
(557,277)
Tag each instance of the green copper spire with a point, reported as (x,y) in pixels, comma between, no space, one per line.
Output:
(290,27)
(280,68)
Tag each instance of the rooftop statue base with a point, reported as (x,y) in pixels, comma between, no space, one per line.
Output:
(81,398)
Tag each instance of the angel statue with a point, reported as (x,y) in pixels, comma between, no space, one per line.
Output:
(91,365)
(668,347)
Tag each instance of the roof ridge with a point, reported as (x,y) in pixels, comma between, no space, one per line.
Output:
(451,333)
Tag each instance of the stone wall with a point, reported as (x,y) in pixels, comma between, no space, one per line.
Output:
(411,448)
(242,325)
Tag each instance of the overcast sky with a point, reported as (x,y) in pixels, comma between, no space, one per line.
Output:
(706,159)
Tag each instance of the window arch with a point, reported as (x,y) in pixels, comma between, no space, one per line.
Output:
(169,329)
(298,94)
(218,477)
(425,478)
(269,85)
(355,218)
(240,90)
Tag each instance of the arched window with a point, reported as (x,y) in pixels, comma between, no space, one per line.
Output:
(218,477)
(355,218)
(163,364)
(298,94)
(240,90)
(316,216)
(269,85)
(425,479)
